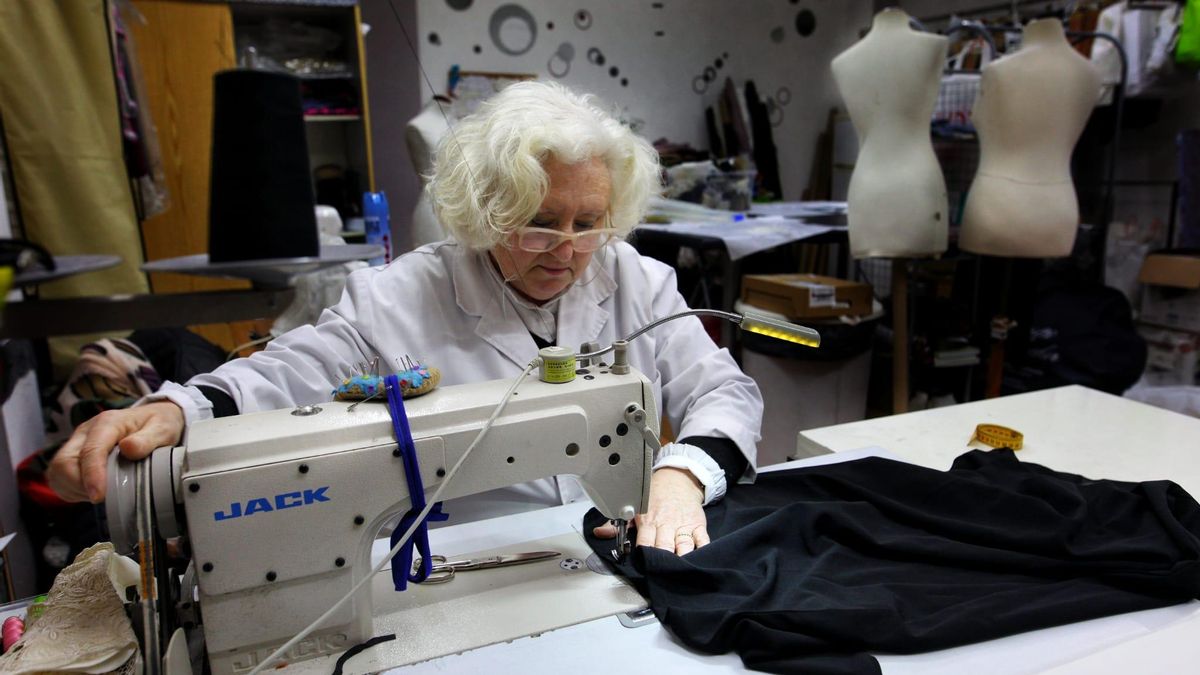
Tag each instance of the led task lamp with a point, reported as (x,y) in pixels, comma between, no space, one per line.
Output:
(557,364)
(755,322)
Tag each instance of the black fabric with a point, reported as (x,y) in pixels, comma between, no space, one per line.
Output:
(810,569)
(222,403)
(766,159)
(358,649)
(724,452)
(177,353)
(1079,333)
(540,342)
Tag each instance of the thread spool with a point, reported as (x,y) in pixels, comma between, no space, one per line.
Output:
(558,365)
(261,197)
(14,628)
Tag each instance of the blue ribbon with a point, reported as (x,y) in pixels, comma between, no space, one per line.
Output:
(402,562)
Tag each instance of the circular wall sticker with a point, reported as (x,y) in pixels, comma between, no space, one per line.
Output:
(806,22)
(583,19)
(512,29)
(774,112)
(560,64)
(777,34)
(459,5)
(595,56)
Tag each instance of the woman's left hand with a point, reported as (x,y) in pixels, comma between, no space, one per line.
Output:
(675,520)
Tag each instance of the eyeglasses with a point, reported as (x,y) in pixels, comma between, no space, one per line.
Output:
(543,239)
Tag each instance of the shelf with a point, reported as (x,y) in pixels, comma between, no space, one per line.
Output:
(65,266)
(332,118)
(963,364)
(31,319)
(325,76)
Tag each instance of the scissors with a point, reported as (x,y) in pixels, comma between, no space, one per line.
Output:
(444,570)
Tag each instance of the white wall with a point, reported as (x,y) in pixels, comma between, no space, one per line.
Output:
(660,69)
(395,96)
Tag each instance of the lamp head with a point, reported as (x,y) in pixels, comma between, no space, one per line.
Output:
(754,322)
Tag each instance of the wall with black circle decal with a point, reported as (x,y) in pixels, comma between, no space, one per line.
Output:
(659,64)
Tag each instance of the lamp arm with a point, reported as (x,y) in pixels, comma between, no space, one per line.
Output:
(810,335)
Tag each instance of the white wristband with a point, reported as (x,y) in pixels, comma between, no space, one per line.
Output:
(699,463)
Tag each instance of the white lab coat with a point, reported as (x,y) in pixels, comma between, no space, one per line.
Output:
(440,304)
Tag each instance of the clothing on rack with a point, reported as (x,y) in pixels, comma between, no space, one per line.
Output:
(766,159)
(143,159)
(811,569)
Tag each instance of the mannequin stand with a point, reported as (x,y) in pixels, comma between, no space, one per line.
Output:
(999,327)
(899,335)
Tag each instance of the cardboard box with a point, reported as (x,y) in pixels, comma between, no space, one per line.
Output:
(1171,295)
(806,296)
(1171,356)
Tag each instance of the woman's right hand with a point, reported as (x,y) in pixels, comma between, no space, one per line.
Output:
(79,468)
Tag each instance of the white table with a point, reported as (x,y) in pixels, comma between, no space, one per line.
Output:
(1071,429)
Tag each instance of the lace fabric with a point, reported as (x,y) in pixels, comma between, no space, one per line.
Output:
(83,629)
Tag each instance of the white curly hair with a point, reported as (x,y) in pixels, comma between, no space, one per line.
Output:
(488,177)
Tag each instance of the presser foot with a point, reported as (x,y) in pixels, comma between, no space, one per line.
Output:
(623,545)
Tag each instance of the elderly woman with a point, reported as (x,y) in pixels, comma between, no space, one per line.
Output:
(538,190)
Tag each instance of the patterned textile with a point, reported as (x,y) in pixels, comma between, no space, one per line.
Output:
(110,374)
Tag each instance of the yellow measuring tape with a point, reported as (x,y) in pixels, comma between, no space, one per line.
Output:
(997,436)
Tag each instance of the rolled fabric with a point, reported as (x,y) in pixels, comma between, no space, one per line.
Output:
(261,201)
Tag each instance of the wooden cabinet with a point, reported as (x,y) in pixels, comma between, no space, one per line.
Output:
(180,46)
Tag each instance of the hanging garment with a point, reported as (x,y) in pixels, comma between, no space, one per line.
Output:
(766,159)
(143,159)
(810,569)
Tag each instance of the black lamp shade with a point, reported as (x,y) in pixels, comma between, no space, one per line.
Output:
(261,198)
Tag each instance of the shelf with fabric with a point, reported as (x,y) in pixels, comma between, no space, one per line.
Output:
(181,46)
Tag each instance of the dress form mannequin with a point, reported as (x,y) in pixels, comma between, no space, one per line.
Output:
(421,135)
(889,81)
(1032,108)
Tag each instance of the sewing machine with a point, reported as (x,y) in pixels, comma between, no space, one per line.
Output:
(279,509)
